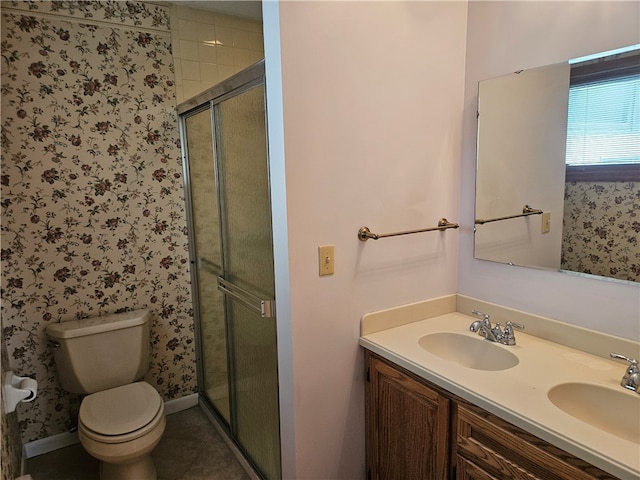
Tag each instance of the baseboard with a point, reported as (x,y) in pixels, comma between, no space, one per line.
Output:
(178,404)
(61,440)
(49,444)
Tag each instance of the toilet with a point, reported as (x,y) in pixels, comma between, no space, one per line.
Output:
(121,419)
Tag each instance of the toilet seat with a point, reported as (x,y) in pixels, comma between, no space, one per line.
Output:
(121,414)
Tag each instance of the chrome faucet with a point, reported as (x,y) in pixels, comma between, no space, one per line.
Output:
(495,333)
(486,321)
(631,377)
(488,333)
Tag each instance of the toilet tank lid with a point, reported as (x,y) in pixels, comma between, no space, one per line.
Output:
(91,326)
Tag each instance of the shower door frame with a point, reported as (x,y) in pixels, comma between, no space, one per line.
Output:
(243,81)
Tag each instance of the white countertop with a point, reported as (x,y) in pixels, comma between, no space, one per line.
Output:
(519,394)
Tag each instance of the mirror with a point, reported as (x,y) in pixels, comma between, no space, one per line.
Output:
(558,188)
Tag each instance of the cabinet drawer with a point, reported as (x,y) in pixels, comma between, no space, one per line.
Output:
(505,451)
(466,470)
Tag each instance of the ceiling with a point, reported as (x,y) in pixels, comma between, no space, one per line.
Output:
(241,8)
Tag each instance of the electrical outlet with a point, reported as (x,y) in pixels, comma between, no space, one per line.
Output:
(325,260)
(546,222)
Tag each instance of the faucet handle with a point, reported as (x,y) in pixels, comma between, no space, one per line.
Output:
(633,363)
(511,325)
(631,378)
(509,337)
(485,317)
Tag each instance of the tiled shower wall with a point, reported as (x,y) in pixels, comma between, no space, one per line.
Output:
(209,47)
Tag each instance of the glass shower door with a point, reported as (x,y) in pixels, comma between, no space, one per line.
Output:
(207,254)
(229,209)
(248,278)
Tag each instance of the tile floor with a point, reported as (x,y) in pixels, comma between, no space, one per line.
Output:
(190,449)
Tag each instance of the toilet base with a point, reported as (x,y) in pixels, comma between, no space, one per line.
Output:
(141,469)
(126,456)
(129,460)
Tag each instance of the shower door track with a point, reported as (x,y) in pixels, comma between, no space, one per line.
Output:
(241,81)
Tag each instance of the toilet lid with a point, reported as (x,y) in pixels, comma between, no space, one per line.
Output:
(120,410)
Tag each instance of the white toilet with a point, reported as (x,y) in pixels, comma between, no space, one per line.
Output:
(122,420)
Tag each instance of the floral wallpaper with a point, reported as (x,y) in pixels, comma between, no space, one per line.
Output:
(93,218)
(602,229)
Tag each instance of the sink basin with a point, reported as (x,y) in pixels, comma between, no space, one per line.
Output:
(468,351)
(614,411)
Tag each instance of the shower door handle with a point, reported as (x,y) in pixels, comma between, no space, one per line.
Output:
(265,308)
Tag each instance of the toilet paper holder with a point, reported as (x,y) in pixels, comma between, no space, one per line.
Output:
(17,389)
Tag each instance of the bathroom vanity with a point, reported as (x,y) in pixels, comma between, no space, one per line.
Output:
(442,404)
(418,430)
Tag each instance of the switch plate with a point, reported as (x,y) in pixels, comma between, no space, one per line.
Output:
(325,260)
(546,222)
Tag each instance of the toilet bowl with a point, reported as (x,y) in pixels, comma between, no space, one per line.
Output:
(120,427)
(121,419)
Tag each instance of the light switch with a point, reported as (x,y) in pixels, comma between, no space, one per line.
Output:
(325,260)
(546,222)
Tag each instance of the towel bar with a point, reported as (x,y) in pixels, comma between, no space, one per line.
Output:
(365,234)
(526,211)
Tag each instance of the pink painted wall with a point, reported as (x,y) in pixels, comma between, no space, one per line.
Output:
(372,106)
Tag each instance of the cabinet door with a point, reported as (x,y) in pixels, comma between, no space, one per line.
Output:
(407,426)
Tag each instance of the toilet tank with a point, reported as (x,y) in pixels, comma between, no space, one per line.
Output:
(96,354)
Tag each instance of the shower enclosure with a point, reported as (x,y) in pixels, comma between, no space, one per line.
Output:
(226,167)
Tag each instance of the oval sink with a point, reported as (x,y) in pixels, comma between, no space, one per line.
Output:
(470,352)
(614,411)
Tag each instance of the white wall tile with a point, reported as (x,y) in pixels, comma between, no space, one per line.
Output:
(191,88)
(225,55)
(208,73)
(225,71)
(177,69)
(245,24)
(190,70)
(224,35)
(179,93)
(235,43)
(188,50)
(207,85)
(223,20)
(207,53)
(241,57)
(186,30)
(175,44)
(205,32)
(240,38)
(256,42)
(254,57)
(189,14)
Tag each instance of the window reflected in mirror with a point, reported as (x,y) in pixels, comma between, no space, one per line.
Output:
(601,222)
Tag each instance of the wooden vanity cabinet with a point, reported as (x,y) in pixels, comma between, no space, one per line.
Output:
(417,431)
(407,425)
